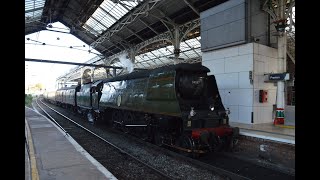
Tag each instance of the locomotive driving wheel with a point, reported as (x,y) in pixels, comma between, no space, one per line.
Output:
(128,118)
(116,118)
(187,144)
(157,139)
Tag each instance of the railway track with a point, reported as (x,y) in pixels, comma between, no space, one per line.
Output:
(229,165)
(122,164)
(173,165)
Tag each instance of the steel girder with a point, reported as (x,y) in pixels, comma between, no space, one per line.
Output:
(166,36)
(143,9)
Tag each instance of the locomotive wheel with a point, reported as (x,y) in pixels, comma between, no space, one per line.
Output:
(187,142)
(144,134)
(231,142)
(128,118)
(116,117)
(157,139)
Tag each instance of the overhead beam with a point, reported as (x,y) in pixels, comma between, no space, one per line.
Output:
(71,63)
(148,26)
(140,10)
(169,20)
(192,7)
(135,33)
(166,36)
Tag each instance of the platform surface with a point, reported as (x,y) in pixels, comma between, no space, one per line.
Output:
(51,155)
(285,134)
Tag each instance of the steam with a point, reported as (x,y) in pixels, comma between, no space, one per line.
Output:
(127,63)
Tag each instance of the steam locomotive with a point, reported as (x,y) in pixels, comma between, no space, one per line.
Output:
(177,106)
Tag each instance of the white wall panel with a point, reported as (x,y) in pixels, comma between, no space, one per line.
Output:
(227,81)
(245,114)
(264,85)
(255,48)
(266,115)
(246,49)
(272,65)
(262,50)
(259,82)
(265,50)
(223,94)
(206,56)
(274,53)
(242,97)
(231,67)
(215,66)
(256,115)
(272,95)
(244,81)
(231,51)
(259,67)
(220,53)
(234,113)
(256,57)
(239,63)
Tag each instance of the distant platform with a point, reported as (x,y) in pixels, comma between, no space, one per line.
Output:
(279,133)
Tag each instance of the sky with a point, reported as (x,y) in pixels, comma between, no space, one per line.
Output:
(57,48)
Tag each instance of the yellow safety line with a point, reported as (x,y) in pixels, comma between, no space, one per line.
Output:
(34,169)
(284,126)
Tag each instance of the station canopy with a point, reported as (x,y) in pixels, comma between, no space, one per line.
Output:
(145,27)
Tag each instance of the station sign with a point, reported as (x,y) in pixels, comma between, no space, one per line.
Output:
(279,77)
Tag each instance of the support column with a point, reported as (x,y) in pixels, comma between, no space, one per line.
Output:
(114,72)
(282,51)
(176,44)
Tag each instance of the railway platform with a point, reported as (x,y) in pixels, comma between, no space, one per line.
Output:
(274,144)
(51,154)
(268,131)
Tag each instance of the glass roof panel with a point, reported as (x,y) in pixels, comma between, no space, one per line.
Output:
(118,11)
(195,42)
(107,21)
(190,49)
(164,51)
(191,54)
(184,46)
(149,55)
(98,29)
(33,10)
(107,14)
(107,5)
(166,60)
(199,51)
(183,56)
